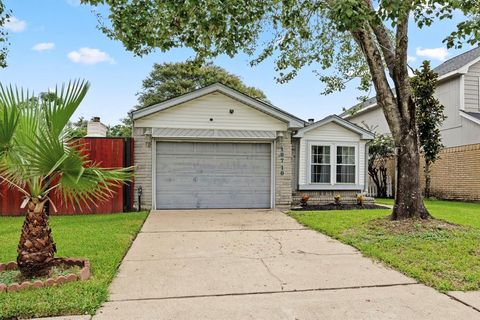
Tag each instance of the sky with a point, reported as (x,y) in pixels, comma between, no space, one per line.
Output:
(53,41)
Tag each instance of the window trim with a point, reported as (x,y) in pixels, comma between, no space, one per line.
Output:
(355,153)
(333,162)
(311,164)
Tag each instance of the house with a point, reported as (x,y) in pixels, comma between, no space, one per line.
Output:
(218,148)
(458,90)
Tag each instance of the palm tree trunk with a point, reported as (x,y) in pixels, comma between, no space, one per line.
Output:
(36,248)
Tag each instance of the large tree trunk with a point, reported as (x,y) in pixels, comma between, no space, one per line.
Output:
(36,248)
(399,108)
(409,200)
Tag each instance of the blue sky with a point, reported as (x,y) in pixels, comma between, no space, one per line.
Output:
(53,41)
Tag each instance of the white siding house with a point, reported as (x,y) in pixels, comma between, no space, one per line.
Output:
(218,148)
(458,90)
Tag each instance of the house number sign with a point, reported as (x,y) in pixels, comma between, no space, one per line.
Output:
(282,159)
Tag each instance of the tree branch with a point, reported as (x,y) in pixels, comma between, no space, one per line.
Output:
(385,97)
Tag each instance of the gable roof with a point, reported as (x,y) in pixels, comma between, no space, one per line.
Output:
(459,62)
(266,108)
(455,66)
(365,134)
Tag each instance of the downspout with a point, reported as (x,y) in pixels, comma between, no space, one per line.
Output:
(367,177)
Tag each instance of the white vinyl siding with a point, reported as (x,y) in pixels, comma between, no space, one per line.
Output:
(374,118)
(212,111)
(472,89)
(332,135)
(448,93)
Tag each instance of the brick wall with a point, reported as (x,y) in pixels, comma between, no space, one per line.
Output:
(143,168)
(456,175)
(283,171)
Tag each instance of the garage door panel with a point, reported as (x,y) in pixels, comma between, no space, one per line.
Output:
(214,164)
(213,175)
(255,184)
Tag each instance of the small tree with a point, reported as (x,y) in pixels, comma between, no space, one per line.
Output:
(380,150)
(429,117)
(77,129)
(37,159)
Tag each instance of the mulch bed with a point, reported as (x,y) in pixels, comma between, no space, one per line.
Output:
(413,225)
(63,270)
(332,206)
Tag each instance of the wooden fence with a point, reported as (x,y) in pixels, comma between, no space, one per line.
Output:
(107,153)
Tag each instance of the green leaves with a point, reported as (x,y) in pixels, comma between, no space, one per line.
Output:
(429,111)
(4,15)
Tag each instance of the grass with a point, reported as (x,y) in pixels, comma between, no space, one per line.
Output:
(104,239)
(438,254)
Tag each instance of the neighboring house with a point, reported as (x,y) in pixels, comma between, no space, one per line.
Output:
(458,90)
(218,148)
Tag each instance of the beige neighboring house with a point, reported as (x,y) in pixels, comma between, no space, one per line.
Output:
(456,175)
(458,90)
(218,148)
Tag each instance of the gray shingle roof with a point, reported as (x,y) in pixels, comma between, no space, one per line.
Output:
(457,62)
(448,66)
(473,114)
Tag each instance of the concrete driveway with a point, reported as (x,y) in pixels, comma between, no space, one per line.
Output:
(259,264)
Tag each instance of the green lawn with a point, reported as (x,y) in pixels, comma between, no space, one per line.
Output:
(441,257)
(104,239)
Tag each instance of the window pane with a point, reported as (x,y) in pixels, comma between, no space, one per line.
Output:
(345,174)
(320,173)
(321,154)
(345,155)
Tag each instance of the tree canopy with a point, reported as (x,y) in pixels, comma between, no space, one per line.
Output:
(170,80)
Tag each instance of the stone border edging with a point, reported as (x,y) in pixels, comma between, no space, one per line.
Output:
(84,274)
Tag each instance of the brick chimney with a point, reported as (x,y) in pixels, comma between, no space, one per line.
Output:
(96,129)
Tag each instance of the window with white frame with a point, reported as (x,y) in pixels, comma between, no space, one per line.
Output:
(320,167)
(345,164)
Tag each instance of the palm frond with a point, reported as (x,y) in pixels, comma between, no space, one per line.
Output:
(59,111)
(84,183)
(9,118)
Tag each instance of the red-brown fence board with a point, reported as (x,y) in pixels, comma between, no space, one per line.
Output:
(106,153)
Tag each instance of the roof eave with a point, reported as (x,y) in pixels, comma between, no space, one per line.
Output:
(364,134)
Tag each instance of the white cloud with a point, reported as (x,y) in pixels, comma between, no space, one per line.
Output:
(89,56)
(434,53)
(43,46)
(411,59)
(73,3)
(13,24)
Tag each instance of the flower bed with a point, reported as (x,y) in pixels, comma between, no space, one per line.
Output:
(333,206)
(68,263)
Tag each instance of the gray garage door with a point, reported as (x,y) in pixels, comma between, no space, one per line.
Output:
(213,175)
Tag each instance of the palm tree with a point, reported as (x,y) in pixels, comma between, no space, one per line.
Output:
(37,159)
